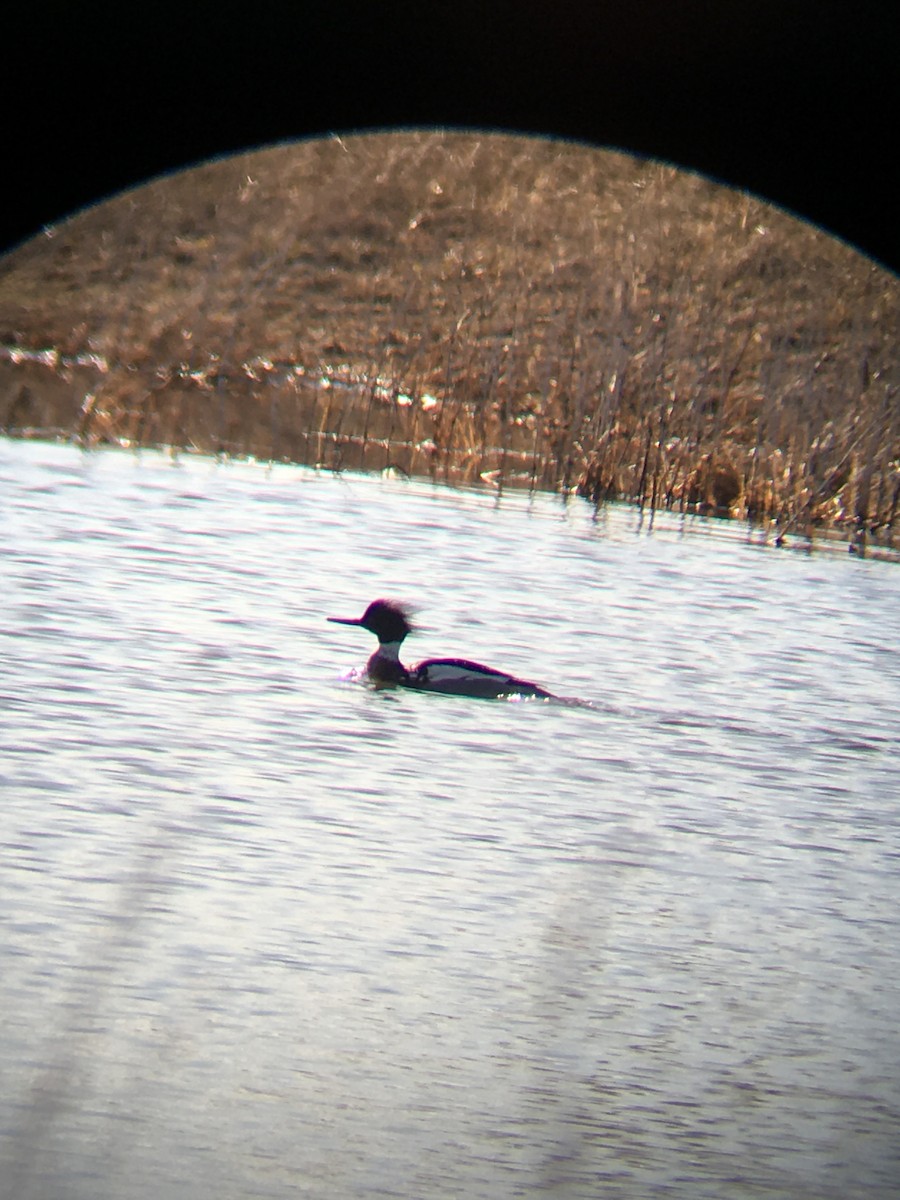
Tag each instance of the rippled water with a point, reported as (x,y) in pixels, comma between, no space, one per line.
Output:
(268,933)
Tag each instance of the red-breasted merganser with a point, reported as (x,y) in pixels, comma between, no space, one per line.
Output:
(391,622)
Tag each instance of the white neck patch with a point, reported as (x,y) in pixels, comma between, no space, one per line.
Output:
(389,650)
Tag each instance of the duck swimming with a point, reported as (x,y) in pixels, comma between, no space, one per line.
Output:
(391,622)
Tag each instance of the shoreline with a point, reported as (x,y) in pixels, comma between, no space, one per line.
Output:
(626,330)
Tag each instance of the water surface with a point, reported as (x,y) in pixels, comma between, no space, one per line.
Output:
(269,933)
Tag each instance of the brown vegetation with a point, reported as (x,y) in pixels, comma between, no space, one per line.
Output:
(473,306)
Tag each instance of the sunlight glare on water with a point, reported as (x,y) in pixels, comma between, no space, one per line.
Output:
(268,932)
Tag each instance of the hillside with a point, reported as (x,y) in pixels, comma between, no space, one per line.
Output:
(471,305)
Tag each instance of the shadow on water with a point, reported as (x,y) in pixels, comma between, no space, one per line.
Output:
(67,1072)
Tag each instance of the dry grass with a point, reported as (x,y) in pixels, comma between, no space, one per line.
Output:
(472,306)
